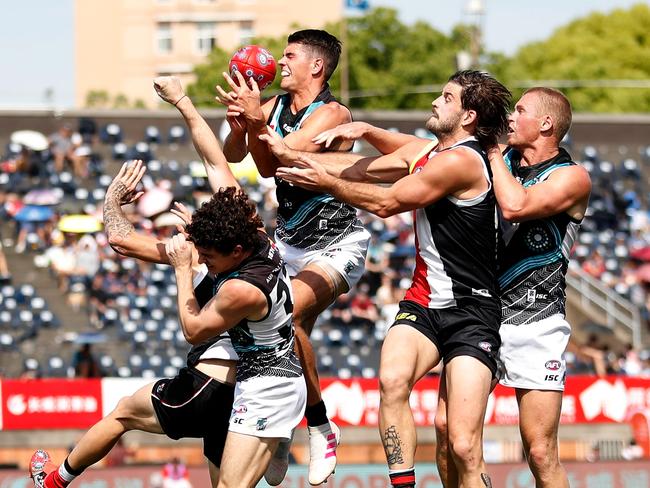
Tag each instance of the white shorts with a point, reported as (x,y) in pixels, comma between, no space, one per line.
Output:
(530,356)
(347,257)
(268,406)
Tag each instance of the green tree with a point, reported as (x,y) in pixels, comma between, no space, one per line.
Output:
(97,99)
(120,101)
(395,66)
(586,54)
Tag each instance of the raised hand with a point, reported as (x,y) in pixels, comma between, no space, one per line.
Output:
(247,97)
(278,147)
(179,251)
(306,173)
(346,132)
(169,88)
(123,187)
(182,212)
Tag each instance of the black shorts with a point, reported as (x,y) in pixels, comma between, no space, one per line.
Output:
(194,405)
(467,330)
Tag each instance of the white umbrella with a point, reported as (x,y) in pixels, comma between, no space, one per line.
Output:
(31,139)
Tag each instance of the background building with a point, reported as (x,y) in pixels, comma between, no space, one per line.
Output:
(121,45)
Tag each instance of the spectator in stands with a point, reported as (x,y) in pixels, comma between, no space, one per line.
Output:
(363,309)
(176,475)
(97,300)
(84,363)
(340,309)
(62,145)
(594,265)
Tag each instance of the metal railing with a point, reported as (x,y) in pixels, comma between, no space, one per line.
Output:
(619,313)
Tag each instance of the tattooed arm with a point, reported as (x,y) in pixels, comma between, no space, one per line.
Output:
(122,236)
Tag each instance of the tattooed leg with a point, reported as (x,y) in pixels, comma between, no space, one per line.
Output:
(486,480)
(393,446)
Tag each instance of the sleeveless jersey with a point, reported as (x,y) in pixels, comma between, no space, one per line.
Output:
(265,346)
(535,254)
(306,219)
(455,245)
(218,347)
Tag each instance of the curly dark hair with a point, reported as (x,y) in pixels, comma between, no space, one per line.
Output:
(322,44)
(489,99)
(228,219)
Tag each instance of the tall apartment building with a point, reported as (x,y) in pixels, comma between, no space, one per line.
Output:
(121,45)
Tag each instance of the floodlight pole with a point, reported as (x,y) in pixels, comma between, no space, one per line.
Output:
(345,71)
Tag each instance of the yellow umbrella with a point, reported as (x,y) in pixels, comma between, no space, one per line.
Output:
(245,169)
(79,224)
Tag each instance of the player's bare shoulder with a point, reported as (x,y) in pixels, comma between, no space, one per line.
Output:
(334,112)
(575,177)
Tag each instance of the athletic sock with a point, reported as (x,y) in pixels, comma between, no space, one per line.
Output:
(316,414)
(402,478)
(63,476)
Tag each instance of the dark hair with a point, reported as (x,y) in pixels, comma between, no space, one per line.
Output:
(228,219)
(554,103)
(322,44)
(490,100)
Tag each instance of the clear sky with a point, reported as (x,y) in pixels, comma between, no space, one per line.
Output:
(37,39)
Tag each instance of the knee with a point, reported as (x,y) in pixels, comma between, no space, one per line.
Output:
(440,423)
(541,455)
(394,386)
(466,451)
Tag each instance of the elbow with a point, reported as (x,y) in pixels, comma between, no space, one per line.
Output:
(117,244)
(194,333)
(192,337)
(512,213)
(384,211)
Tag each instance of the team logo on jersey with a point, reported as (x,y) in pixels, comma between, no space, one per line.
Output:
(406,316)
(349,266)
(486,346)
(553,365)
(261,423)
(531,295)
(322,224)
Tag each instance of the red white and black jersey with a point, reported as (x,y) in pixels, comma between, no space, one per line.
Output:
(455,244)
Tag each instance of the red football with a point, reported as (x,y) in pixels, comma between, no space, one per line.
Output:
(256,62)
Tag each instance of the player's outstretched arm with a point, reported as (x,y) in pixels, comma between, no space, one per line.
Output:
(383,140)
(567,190)
(348,166)
(450,173)
(236,299)
(207,146)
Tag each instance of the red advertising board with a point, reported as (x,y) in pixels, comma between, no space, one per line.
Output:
(37,404)
(52,403)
